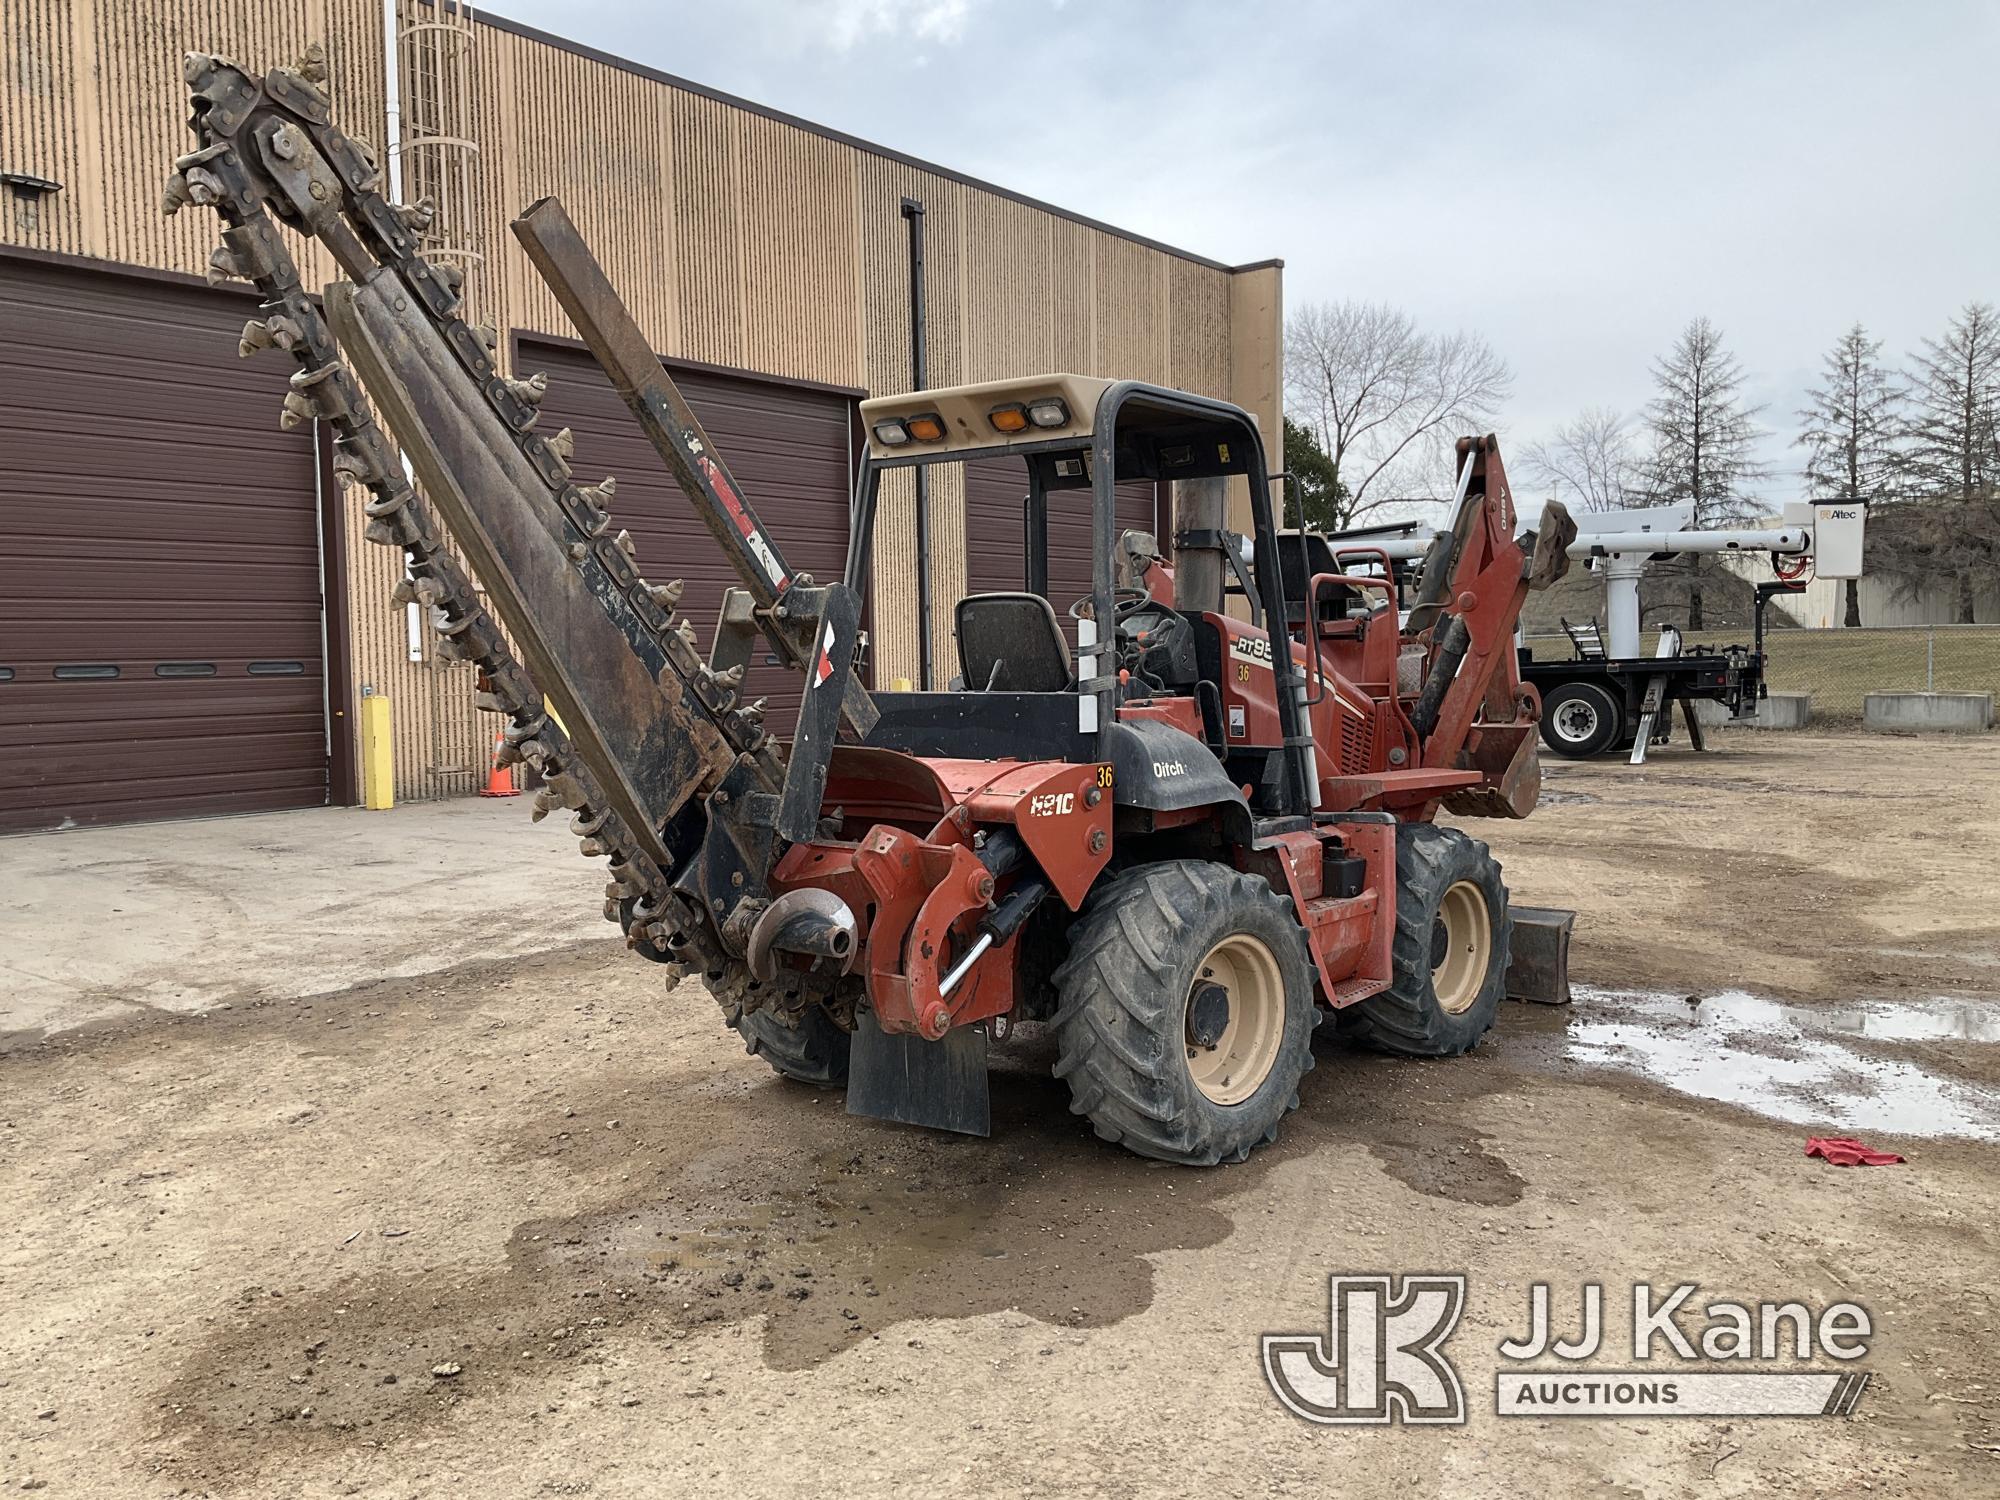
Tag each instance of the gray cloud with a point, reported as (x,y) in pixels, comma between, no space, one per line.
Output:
(1574,181)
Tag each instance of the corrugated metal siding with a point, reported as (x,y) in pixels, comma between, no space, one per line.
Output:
(737,240)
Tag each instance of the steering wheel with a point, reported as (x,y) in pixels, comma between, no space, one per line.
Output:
(1126,601)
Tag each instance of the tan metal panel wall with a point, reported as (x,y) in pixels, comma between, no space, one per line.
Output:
(799,251)
(1134,318)
(1010,324)
(1072,302)
(1198,301)
(707,231)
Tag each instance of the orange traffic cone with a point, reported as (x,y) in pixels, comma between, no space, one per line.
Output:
(499,780)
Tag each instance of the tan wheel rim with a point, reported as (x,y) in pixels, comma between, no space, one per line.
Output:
(1468,943)
(1235,1064)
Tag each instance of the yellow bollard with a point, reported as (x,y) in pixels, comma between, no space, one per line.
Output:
(378,755)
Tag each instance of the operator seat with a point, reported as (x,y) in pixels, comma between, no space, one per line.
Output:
(1011,643)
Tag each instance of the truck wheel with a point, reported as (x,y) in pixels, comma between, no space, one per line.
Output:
(1581,719)
(1186,1012)
(1449,957)
(813,1051)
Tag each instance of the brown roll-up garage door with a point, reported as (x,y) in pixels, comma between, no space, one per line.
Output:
(996,557)
(160,616)
(788,446)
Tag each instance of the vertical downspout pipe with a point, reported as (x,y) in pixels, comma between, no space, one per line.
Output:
(913,215)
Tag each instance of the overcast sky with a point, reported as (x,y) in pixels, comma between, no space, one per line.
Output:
(1573,181)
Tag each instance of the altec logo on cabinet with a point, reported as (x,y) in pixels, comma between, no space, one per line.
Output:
(1382,1360)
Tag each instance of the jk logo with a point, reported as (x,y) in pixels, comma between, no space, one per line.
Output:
(1379,1360)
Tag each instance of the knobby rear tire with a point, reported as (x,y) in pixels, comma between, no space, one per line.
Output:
(1122,1026)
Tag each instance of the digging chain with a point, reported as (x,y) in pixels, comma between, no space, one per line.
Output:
(281,123)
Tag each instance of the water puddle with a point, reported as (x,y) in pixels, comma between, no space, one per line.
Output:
(1794,1062)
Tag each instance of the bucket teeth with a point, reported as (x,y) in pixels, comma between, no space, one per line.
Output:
(667,595)
(563,444)
(223,266)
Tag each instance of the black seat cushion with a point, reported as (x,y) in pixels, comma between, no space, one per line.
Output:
(1012,642)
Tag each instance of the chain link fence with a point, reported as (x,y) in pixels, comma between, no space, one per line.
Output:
(1840,667)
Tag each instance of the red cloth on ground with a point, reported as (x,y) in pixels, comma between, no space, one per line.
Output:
(1845,1151)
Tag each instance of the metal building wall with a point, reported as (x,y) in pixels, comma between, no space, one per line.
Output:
(739,239)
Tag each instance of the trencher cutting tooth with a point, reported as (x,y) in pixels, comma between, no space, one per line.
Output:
(532,389)
(416,217)
(223,267)
(667,595)
(296,411)
(563,444)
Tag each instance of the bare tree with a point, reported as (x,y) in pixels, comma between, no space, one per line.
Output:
(1588,463)
(1382,397)
(1850,429)
(1703,439)
(1954,454)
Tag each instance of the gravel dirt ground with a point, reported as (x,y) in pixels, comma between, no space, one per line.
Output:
(530,1226)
